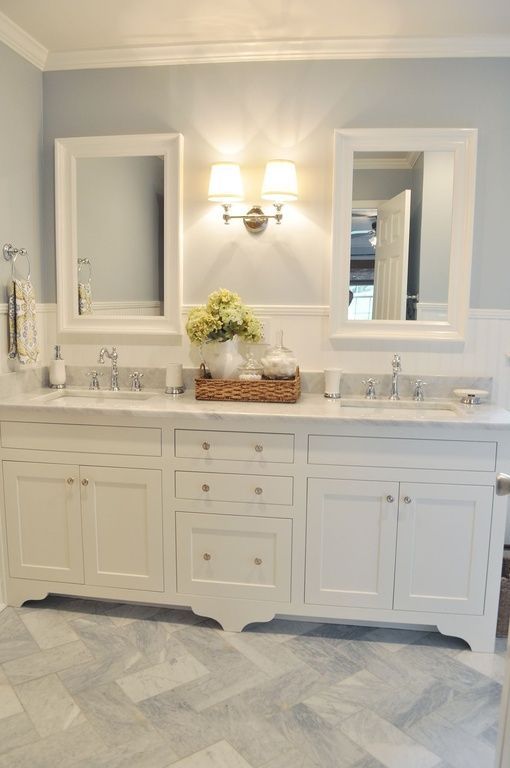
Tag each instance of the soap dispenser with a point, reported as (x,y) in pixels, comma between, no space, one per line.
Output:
(57,370)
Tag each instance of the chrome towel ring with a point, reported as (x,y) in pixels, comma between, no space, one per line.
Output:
(11,253)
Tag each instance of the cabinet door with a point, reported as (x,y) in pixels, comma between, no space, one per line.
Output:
(442,547)
(122,527)
(43,520)
(351,536)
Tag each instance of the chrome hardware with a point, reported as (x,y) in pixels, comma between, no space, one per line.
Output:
(370,392)
(258,491)
(390,499)
(471,399)
(206,446)
(70,480)
(407,499)
(397,368)
(136,381)
(84,481)
(206,556)
(418,390)
(114,357)
(11,253)
(94,379)
(205,488)
(503,485)
(258,561)
(259,448)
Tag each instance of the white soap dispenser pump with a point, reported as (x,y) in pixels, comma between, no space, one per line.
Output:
(57,370)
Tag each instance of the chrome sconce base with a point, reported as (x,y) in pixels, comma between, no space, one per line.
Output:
(255,220)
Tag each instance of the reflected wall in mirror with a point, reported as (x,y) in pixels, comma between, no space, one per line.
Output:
(118,218)
(402,220)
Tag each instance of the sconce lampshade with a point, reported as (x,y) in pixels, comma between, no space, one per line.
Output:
(280,181)
(225,183)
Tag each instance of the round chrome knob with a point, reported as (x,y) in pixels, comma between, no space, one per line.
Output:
(70,480)
(407,499)
(205,487)
(258,561)
(258,490)
(259,448)
(84,481)
(206,446)
(206,556)
(390,499)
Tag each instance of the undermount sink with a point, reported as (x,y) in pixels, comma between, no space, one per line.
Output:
(423,409)
(76,396)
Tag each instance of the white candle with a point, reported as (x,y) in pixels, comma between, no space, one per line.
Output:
(174,375)
(332,378)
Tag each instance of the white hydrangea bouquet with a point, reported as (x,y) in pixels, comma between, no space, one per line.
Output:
(221,319)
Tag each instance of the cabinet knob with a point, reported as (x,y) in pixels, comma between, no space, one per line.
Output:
(84,481)
(259,448)
(206,556)
(70,480)
(407,499)
(390,499)
(258,490)
(205,488)
(258,561)
(206,446)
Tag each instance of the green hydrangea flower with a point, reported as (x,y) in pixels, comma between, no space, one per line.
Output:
(223,317)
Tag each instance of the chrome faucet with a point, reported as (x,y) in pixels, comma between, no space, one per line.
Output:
(397,368)
(113,356)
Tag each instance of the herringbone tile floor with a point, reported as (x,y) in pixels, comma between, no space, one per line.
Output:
(86,684)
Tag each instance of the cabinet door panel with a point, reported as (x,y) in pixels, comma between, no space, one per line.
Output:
(442,548)
(43,519)
(122,527)
(350,555)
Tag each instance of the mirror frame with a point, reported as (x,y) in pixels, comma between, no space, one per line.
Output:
(462,142)
(71,325)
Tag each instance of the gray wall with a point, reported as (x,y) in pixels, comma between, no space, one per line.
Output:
(20,164)
(253,112)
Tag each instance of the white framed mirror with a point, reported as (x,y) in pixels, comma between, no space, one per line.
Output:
(118,217)
(403,204)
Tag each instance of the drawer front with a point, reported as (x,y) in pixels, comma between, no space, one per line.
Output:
(219,486)
(234,446)
(233,556)
(402,453)
(126,441)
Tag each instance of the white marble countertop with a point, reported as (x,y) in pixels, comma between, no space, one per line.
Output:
(74,403)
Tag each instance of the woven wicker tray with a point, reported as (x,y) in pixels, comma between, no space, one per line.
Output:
(261,391)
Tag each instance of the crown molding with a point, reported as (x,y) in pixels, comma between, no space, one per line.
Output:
(283,50)
(22,43)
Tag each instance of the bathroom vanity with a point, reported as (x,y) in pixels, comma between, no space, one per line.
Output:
(332,510)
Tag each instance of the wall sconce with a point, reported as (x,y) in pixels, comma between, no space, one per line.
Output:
(279,186)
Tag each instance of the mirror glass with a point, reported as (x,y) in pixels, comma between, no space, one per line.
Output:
(118,215)
(400,237)
(403,207)
(120,240)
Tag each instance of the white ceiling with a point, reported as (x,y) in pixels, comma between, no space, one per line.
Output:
(61,34)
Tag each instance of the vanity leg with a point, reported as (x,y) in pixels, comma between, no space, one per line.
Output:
(18,592)
(233,615)
(478,632)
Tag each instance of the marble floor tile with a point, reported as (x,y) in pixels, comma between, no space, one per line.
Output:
(488,664)
(126,613)
(388,744)
(16,731)
(474,710)
(103,639)
(405,706)
(62,750)
(146,753)
(9,702)
(149,682)
(282,630)
(15,639)
(271,657)
(393,640)
(45,662)
(361,690)
(48,628)
(293,758)
(49,705)
(219,755)
(453,744)
(324,656)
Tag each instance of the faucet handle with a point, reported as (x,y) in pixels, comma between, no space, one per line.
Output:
(418,390)
(136,381)
(94,379)
(370,393)
(396,363)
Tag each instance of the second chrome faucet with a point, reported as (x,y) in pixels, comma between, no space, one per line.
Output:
(397,368)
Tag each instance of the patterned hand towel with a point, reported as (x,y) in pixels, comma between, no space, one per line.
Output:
(84,299)
(22,323)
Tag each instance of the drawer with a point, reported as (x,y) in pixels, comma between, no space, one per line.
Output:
(402,453)
(234,446)
(126,441)
(219,486)
(233,556)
